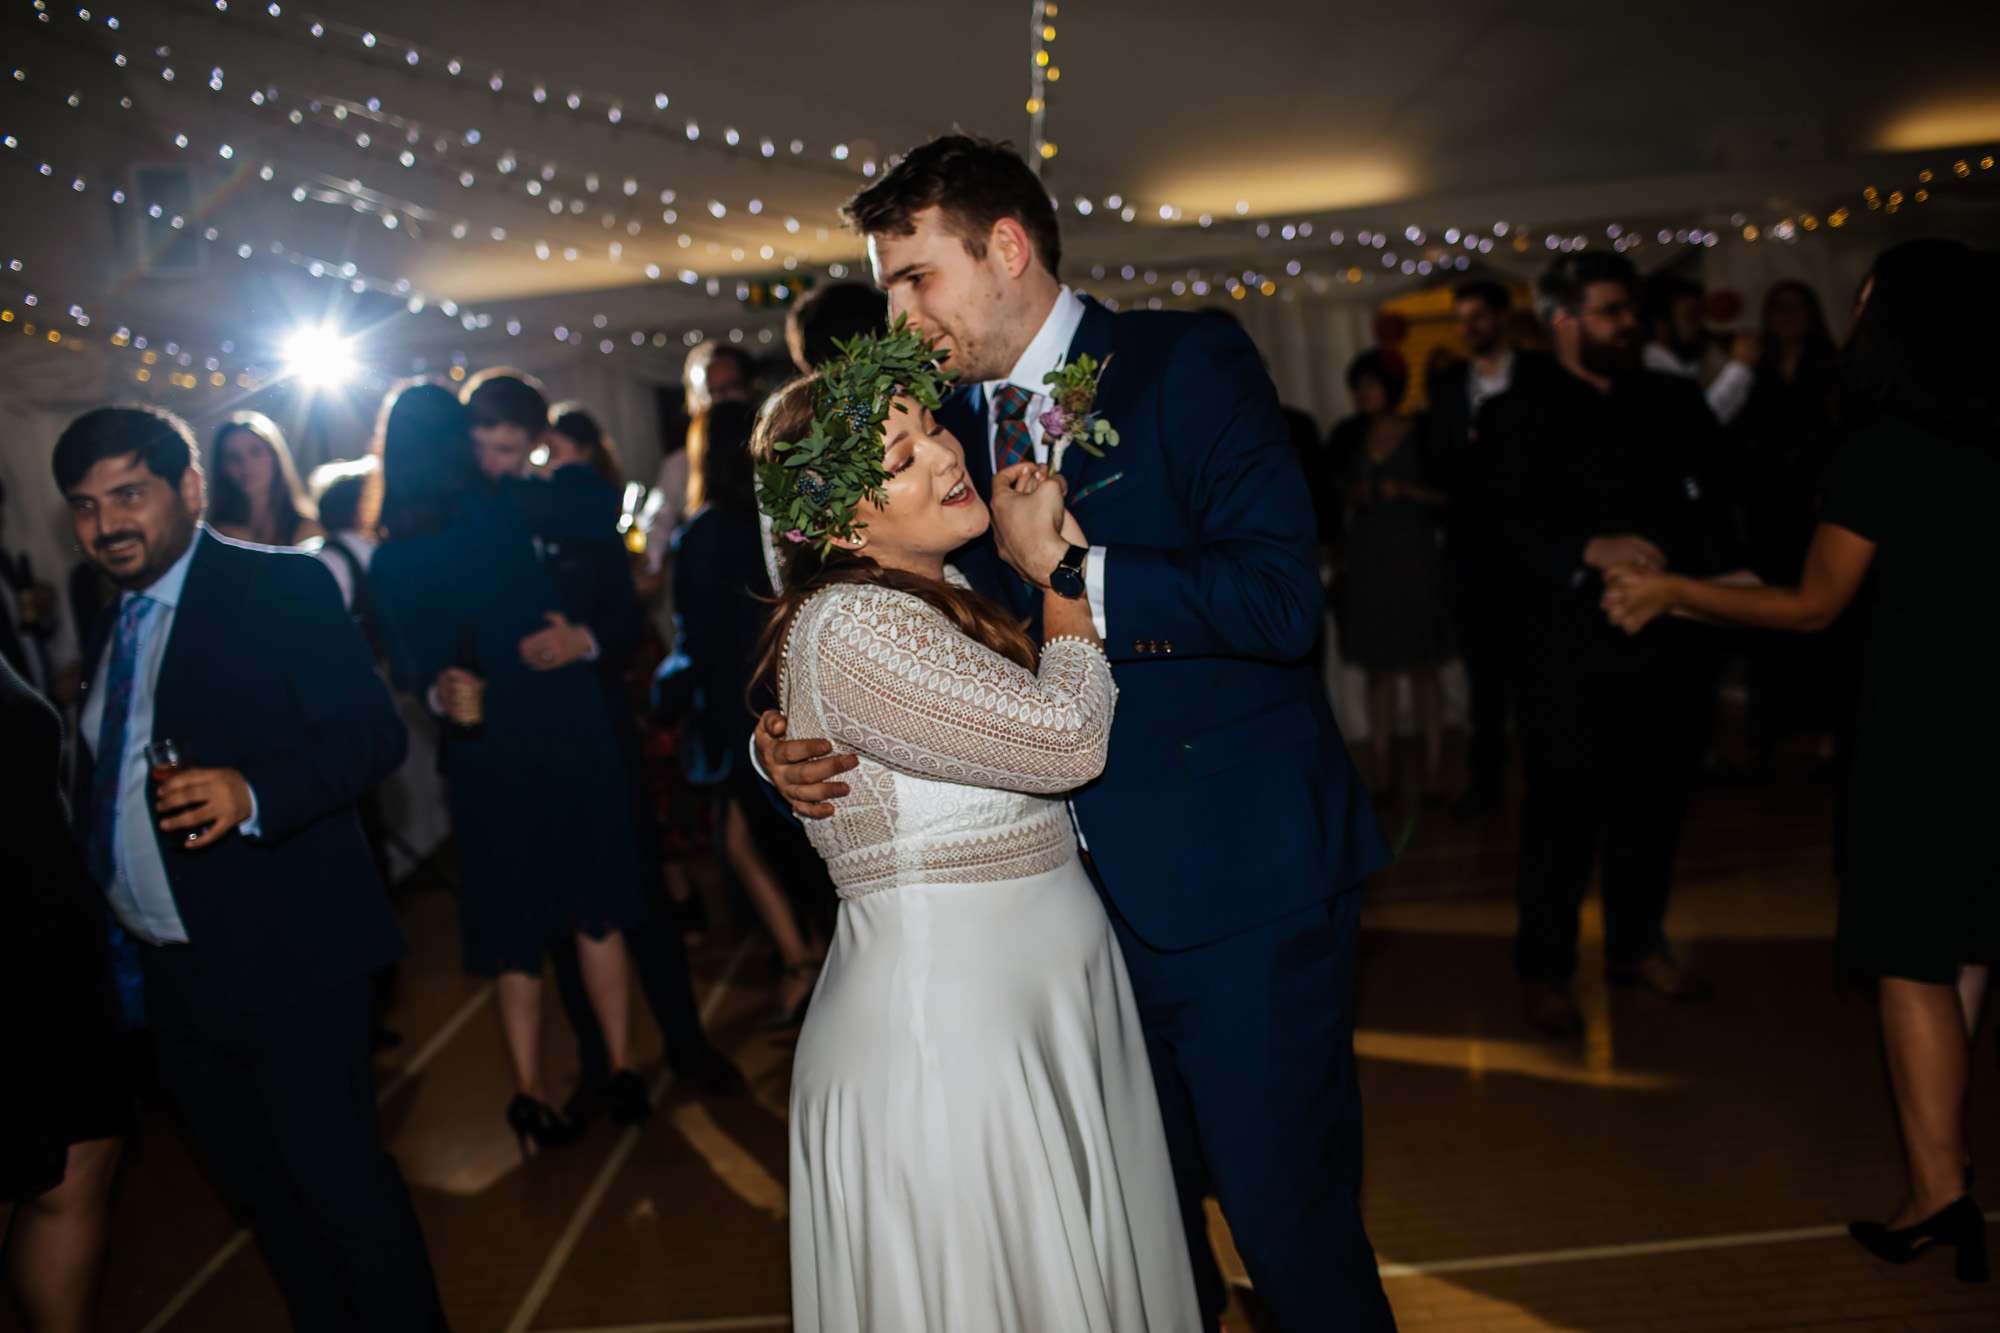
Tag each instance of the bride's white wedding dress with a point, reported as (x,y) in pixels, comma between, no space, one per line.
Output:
(975,1143)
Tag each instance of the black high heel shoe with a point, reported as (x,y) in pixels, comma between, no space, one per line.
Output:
(1960,1225)
(537,1125)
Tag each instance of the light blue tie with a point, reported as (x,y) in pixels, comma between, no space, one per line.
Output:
(106,781)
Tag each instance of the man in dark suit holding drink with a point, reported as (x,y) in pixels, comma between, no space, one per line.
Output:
(232,720)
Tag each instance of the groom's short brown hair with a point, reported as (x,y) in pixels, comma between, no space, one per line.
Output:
(975,182)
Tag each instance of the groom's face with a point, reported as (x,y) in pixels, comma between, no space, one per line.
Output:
(951,296)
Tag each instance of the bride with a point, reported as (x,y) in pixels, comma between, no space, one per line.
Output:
(975,1143)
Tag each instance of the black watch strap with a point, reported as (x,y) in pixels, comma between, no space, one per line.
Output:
(1066,580)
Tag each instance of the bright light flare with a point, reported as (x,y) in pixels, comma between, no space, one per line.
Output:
(320,358)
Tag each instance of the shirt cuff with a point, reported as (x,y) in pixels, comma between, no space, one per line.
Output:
(1093,588)
(1729,394)
(591,653)
(252,827)
(756,765)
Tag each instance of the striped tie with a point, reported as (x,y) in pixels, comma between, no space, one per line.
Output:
(1012,443)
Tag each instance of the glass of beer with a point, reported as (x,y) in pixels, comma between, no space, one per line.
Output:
(163,756)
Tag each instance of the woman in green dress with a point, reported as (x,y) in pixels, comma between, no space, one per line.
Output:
(1911,508)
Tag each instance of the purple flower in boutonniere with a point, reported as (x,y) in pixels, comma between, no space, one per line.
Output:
(1073,417)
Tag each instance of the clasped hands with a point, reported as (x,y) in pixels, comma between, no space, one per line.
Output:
(1032,530)
(459,692)
(1635,579)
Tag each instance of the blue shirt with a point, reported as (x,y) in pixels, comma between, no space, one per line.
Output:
(140,895)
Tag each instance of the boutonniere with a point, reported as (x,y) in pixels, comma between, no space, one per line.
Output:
(1072,416)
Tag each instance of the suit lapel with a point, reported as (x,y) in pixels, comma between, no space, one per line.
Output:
(1094,338)
(181,667)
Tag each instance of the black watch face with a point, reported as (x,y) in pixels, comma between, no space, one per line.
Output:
(1066,582)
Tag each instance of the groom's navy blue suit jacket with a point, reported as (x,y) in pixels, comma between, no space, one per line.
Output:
(1228,800)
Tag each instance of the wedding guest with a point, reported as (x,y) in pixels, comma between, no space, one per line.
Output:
(510,415)
(1602,465)
(28,616)
(1678,340)
(1397,626)
(599,621)
(244,659)
(574,436)
(830,314)
(60,1133)
(258,497)
(1472,525)
(715,372)
(340,493)
(1784,444)
(1909,516)
(545,842)
(721,605)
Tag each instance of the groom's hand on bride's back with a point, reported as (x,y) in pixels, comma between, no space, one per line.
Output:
(803,771)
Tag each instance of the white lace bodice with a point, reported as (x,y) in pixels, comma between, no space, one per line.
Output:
(964,755)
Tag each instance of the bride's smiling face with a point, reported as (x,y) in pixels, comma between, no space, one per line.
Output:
(930,507)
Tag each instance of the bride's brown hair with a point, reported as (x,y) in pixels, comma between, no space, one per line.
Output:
(785,419)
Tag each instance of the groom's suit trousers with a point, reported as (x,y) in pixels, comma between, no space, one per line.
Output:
(1252,1045)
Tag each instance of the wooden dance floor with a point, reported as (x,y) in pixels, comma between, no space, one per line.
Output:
(1677,1169)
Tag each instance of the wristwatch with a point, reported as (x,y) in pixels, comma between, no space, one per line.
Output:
(1066,580)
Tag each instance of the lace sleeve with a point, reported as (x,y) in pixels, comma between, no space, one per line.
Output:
(896,681)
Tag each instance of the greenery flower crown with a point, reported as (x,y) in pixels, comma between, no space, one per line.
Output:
(810,487)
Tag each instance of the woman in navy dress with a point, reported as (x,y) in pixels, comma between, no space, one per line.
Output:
(546,846)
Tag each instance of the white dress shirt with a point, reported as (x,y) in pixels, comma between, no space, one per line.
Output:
(139,894)
(360,547)
(1728,393)
(1048,349)
(1480,386)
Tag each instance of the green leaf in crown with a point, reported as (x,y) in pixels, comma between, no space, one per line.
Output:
(811,487)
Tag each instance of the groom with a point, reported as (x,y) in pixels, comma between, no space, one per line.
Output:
(1228,834)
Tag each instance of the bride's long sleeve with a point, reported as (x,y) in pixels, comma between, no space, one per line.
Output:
(894,680)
